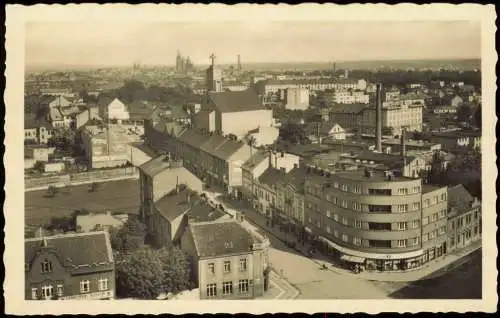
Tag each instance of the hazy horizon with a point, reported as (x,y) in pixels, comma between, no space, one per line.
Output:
(119,44)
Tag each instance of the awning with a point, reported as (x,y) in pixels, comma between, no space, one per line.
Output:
(308,230)
(352,259)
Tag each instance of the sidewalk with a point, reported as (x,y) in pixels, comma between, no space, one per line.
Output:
(435,267)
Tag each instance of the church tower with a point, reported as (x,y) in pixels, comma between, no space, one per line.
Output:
(214,77)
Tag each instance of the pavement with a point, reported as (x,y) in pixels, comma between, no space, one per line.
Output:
(280,288)
(308,276)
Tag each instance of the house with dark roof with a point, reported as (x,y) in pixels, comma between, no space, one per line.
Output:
(175,211)
(228,113)
(464,218)
(69,267)
(228,261)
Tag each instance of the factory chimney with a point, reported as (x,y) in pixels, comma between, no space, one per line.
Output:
(378,118)
(403,150)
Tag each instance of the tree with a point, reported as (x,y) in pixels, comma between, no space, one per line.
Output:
(63,139)
(146,273)
(39,166)
(139,273)
(130,237)
(477,117)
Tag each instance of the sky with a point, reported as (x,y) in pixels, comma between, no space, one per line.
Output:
(118,44)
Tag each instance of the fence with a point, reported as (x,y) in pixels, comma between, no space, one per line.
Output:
(81,177)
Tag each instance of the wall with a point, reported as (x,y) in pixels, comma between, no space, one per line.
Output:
(238,123)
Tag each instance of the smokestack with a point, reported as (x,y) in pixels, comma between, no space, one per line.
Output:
(378,118)
(403,150)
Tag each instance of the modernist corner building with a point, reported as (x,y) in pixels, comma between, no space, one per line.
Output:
(379,219)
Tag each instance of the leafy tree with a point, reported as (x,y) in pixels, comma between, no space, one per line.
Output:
(138,274)
(63,139)
(130,237)
(146,273)
(477,117)
(39,166)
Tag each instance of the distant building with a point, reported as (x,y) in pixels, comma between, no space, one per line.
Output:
(113,109)
(267,87)
(464,218)
(297,98)
(332,130)
(347,97)
(69,267)
(228,261)
(458,139)
(108,145)
(37,131)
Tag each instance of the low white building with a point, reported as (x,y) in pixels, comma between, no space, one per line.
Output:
(297,98)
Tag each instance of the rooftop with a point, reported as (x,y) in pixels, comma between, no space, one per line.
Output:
(257,157)
(271,176)
(459,199)
(217,239)
(159,164)
(237,101)
(174,204)
(93,248)
(376,176)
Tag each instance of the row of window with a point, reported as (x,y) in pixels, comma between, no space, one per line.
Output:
(361,207)
(435,200)
(47,290)
(227,266)
(434,217)
(374,226)
(466,218)
(227,288)
(377,243)
(317,190)
(434,234)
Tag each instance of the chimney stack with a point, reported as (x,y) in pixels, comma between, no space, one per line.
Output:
(378,118)
(403,150)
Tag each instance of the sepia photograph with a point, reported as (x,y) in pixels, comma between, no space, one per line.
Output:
(299,160)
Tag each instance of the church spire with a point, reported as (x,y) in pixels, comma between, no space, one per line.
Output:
(212,57)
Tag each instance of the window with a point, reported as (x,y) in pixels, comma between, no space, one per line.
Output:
(375,226)
(211,290)
(343,204)
(103,284)
(243,264)
(402,226)
(442,230)
(356,189)
(427,202)
(227,266)
(211,268)
(335,184)
(328,229)
(46,266)
(344,187)
(403,208)
(403,191)
(356,240)
(416,206)
(336,217)
(425,237)
(425,220)
(328,213)
(335,200)
(34,293)
(358,223)
(442,213)
(47,291)
(401,243)
(345,238)
(227,288)
(468,219)
(335,233)
(416,189)
(415,241)
(60,290)
(84,286)
(435,199)
(356,206)
(344,220)
(243,286)
(443,197)
(415,224)
(328,198)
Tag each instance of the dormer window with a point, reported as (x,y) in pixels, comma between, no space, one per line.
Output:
(46,266)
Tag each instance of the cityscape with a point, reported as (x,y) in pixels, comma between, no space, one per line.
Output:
(214,175)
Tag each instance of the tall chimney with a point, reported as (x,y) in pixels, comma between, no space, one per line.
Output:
(378,118)
(403,149)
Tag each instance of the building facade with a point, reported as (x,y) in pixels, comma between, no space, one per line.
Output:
(297,98)
(55,269)
(381,221)
(228,262)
